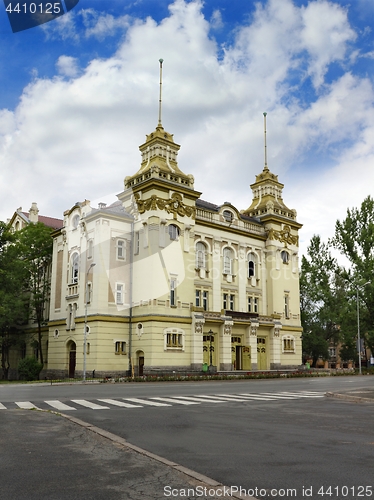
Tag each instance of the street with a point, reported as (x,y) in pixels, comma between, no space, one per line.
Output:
(266,434)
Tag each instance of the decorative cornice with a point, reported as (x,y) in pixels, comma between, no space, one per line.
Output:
(173,205)
(283,236)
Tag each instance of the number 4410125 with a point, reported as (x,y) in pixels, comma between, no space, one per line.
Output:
(33,8)
(345,491)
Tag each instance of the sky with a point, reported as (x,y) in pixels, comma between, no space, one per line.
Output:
(79,94)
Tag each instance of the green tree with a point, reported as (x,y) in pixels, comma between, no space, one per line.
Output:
(322,300)
(13,306)
(354,238)
(35,250)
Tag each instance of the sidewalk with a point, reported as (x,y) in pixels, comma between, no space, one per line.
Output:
(46,456)
(357,396)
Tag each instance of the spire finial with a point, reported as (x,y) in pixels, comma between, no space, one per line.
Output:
(266,157)
(160,100)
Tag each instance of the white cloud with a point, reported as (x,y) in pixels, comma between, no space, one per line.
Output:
(102,25)
(76,138)
(63,28)
(67,66)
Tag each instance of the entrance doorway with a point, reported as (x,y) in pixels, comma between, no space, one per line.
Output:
(140,356)
(209,351)
(72,353)
(262,363)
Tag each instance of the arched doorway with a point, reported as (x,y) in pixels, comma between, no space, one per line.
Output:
(140,363)
(72,357)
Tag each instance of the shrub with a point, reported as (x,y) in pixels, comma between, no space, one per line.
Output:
(29,369)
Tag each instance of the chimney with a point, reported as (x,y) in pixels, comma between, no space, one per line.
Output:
(33,213)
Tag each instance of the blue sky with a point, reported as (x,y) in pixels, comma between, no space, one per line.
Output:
(79,94)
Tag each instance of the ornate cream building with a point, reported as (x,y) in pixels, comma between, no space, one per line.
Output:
(169,282)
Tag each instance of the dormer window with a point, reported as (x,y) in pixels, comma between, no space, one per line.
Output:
(228,216)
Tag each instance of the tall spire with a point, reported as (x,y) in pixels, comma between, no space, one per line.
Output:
(266,168)
(160,100)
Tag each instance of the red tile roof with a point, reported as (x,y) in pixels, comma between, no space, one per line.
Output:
(48,221)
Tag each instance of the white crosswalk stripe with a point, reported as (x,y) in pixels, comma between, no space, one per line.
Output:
(200,399)
(115,402)
(88,404)
(128,403)
(173,400)
(145,402)
(59,405)
(26,405)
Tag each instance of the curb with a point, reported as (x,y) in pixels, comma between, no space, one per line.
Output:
(348,397)
(207,481)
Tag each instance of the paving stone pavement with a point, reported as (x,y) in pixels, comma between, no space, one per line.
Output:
(46,456)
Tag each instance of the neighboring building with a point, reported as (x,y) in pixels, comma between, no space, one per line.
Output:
(28,345)
(174,282)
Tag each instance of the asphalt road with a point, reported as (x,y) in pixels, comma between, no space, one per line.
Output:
(285,445)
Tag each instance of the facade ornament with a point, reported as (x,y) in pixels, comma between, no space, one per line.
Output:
(254,326)
(173,205)
(227,327)
(277,328)
(284,236)
(199,325)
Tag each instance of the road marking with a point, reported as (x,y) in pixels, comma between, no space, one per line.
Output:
(26,405)
(279,396)
(200,399)
(302,395)
(145,402)
(257,397)
(115,402)
(227,397)
(2,407)
(171,400)
(88,404)
(58,405)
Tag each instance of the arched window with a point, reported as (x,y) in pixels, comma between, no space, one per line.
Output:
(228,216)
(75,221)
(200,255)
(251,265)
(227,261)
(74,268)
(173,231)
(285,256)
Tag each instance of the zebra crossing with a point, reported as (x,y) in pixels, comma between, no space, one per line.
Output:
(132,403)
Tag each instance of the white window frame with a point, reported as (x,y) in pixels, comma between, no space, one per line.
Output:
(228,215)
(200,255)
(205,300)
(251,265)
(74,271)
(120,294)
(286,306)
(174,339)
(198,298)
(120,346)
(136,242)
(285,256)
(288,344)
(121,249)
(227,260)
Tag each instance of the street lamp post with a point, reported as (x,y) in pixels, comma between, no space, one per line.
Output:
(85,325)
(358,328)
(210,333)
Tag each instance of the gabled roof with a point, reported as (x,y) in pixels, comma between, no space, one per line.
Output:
(47,221)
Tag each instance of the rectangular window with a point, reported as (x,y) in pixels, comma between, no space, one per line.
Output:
(119,293)
(205,301)
(225,301)
(136,242)
(121,250)
(255,305)
(286,306)
(198,298)
(249,304)
(120,347)
(288,344)
(174,340)
(173,286)
(232,302)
